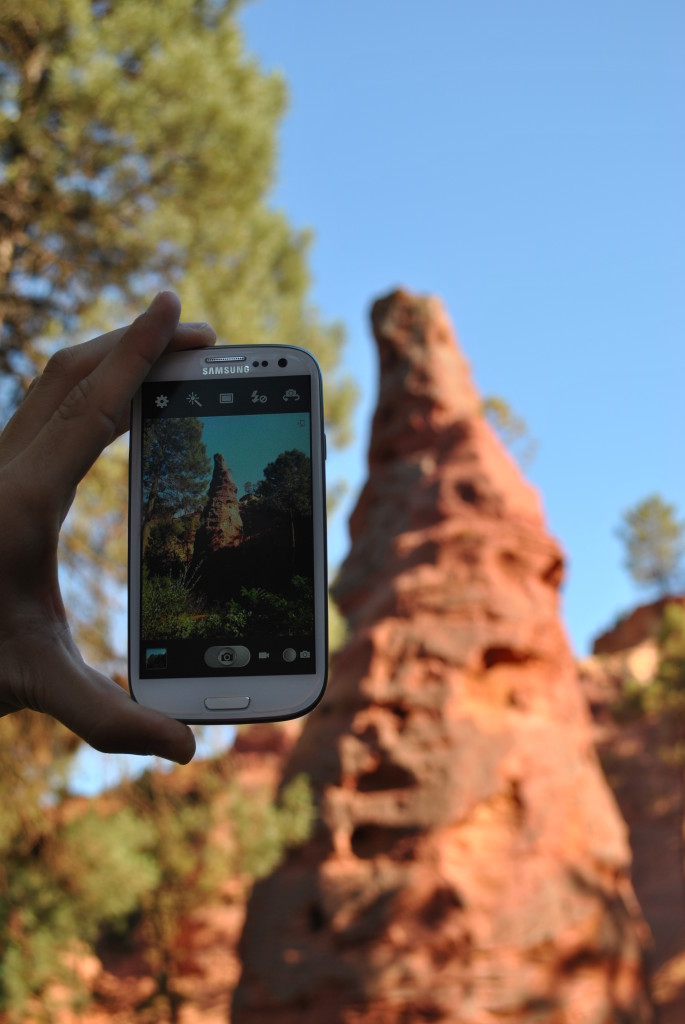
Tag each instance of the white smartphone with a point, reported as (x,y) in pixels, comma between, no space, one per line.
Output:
(227,535)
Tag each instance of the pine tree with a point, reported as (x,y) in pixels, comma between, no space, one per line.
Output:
(176,470)
(653,539)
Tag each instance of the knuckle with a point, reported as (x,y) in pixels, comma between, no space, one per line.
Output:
(77,401)
(81,402)
(61,364)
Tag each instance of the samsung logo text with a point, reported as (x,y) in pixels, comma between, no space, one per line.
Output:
(210,371)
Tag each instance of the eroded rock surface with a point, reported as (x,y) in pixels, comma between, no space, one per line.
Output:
(469,863)
(221,525)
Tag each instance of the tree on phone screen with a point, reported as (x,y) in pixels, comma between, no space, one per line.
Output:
(175,469)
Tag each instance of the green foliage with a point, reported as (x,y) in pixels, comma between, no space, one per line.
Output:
(145,139)
(263,831)
(169,545)
(188,866)
(176,470)
(287,484)
(337,627)
(666,695)
(136,870)
(164,602)
(512,429)
(671,641)
(266,611)
(653,539)
(77,879)
(631,702)
(191,860)
(110,866)
(170,608)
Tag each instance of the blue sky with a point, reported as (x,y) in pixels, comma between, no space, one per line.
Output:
(249,443)
(525,162)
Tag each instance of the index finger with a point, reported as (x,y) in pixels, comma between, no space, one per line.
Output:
(88,418)
(65,369)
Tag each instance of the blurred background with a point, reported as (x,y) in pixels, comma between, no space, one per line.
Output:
(281,166)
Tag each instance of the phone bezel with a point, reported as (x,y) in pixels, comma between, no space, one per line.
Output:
(272,697)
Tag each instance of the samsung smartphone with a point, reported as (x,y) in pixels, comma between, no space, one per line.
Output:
(227,536)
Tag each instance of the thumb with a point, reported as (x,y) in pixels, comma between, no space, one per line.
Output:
(107,718)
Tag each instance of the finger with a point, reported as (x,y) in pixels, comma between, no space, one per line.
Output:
(186,336)
(87,419)
(106,717)
(63,372)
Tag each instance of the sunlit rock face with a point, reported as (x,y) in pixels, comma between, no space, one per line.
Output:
(469,863)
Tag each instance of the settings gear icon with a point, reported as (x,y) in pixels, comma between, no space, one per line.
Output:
(161,401)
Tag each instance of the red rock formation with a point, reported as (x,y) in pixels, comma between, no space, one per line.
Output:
(469,863)
(220,523)
(641,624)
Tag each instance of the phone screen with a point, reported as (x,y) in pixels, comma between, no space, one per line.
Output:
(226,545)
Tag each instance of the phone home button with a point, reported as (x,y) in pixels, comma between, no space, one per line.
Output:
(227,703)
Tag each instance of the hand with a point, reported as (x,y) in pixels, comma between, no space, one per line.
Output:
(72,411)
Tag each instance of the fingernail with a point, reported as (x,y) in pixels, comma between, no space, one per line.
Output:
(196,325)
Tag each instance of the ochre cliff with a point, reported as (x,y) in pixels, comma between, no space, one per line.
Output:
(469,864)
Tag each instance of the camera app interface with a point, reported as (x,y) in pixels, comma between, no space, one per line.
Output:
(227,572)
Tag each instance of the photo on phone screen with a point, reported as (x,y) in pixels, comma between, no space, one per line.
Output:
(226,538)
